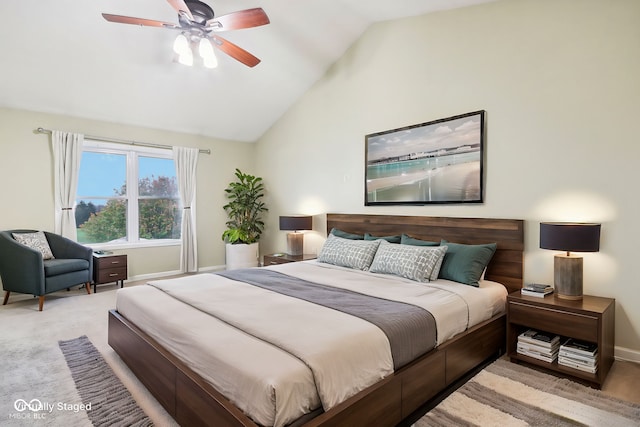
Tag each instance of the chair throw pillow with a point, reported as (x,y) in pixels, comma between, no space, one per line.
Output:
(37,241)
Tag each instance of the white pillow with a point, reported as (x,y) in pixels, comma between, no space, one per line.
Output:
(411,262)
(37,241)
(356,254)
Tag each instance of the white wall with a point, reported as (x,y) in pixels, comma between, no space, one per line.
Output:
(559,81)
(26,181)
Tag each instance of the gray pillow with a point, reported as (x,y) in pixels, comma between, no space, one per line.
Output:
(411,262)
(465,263)
(37,241)
(356,254)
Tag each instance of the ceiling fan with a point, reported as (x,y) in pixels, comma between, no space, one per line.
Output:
(198,25)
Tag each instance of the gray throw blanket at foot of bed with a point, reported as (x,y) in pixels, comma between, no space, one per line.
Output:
(411,330)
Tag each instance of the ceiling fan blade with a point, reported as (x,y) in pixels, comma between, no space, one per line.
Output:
(138,21)
(248,18)
(181,7)
(235,51)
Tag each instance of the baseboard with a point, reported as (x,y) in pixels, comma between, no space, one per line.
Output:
(626,354)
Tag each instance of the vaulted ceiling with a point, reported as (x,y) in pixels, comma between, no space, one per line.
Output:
(63,57)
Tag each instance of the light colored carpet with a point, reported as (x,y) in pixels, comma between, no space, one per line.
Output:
(506,394)
(33,366)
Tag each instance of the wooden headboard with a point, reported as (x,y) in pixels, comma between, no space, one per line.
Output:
(506,266)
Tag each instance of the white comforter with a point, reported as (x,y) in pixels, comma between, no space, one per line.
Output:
(329,355)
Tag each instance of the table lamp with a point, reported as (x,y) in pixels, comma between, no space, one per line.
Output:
(567,269)
(295,242)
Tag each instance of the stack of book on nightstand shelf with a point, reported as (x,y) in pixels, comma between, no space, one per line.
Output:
(579,355)
(539,345)
(536,290)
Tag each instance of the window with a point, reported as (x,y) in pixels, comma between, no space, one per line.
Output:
(127,195)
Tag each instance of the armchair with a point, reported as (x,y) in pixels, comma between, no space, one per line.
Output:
(23,269)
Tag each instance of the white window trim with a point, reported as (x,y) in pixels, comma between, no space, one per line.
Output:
(132,153)
(131,245)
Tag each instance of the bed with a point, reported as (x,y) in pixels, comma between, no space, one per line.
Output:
(186,391)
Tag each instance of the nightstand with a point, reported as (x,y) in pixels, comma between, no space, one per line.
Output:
(273,259)
(109,268)
(591,319)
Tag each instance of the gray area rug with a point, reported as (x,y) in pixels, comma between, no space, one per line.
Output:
(107,401)
(506,394)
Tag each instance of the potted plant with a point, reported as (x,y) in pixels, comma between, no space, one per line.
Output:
(245,225)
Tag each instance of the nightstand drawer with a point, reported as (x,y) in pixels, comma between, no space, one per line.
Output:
(561,322)
(112,274)
(109,268)
(591,319)
(111,261)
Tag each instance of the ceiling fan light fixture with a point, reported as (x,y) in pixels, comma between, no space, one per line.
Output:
(186,58)
(181,45)
(205,49)
(196,21)
(210,62)
(206,52)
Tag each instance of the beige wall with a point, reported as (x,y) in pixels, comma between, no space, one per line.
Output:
(559,81)
(26,174)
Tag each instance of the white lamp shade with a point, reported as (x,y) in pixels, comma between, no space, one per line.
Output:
(208,55)
(181,45)
(211,62)
(205,49)
(186,58)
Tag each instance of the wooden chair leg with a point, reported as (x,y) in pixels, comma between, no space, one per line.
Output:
(40,302)
(6,297)
(88,286)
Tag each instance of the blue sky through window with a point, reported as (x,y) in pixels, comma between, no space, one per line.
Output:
(101,173)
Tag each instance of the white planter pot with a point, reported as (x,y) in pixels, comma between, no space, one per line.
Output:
(242,256)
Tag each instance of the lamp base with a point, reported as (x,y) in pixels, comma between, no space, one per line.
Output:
(295,243)
(567,276)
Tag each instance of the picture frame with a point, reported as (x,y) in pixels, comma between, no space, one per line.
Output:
(436,162)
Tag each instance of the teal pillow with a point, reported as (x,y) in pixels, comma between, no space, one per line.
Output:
(345,235)
(465,263)
(390,239)
(408,240)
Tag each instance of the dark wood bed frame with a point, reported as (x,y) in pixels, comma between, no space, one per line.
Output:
(191,401)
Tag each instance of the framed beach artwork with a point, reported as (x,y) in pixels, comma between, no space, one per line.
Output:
(441,161)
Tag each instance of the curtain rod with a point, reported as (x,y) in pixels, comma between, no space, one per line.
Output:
(124,141)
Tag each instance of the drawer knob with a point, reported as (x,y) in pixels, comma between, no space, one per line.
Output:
(113,274)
